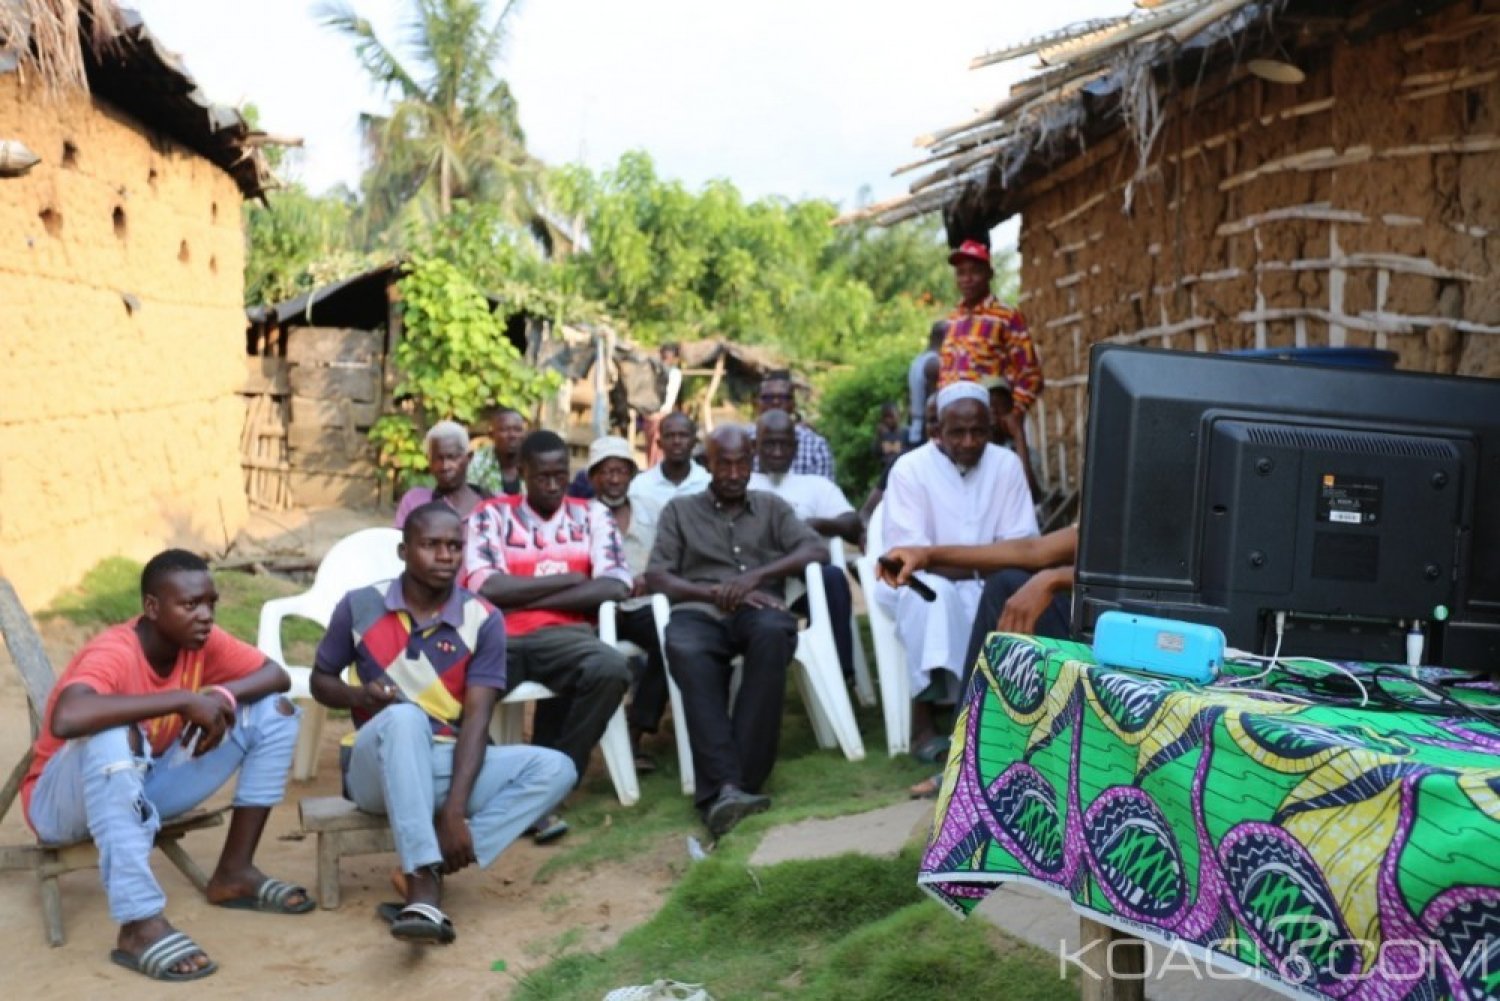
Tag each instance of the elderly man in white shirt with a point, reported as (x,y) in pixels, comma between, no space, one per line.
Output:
(961,490)
(821,505)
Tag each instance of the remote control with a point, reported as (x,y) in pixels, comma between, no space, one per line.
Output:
(919,586)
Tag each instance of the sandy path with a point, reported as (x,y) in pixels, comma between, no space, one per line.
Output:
(501,914)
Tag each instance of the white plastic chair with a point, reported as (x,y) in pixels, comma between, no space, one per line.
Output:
(864,690)
(355,561)
(509,722)
(890,658)
(820,681)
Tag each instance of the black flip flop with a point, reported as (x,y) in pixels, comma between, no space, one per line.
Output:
(548,829)
(273,897)
(423,924)
(933,750)
(158,958)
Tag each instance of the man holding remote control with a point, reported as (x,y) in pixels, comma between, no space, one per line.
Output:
(1028,589)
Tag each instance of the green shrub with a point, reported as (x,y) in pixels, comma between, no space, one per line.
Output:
(849,410)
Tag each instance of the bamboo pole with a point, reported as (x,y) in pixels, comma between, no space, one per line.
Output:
(713,389)
(1050,39)
(1186,28)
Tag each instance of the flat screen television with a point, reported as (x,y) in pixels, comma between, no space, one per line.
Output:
(1356,502)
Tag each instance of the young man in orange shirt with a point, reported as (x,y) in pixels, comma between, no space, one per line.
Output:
(149,719)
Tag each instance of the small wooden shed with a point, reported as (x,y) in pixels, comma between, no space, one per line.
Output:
(1230,174)
(318,376)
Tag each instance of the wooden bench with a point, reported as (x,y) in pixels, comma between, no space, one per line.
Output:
(342,829)
(47,861)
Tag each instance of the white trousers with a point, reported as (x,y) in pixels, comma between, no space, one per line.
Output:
(935,635)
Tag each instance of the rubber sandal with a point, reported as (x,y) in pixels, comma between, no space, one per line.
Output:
(548,829)
(423,924)
(158,958)
(272,898)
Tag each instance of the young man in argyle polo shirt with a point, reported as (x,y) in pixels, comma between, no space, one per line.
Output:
(429,659)
(549,561)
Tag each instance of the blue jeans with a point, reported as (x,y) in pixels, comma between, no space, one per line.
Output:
(98,787)
(399,770)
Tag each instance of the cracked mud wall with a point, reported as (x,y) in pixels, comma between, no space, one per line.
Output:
(121,345)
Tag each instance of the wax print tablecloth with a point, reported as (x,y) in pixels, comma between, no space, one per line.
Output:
(1352,854)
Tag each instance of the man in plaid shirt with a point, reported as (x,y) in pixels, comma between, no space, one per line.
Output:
(813,457)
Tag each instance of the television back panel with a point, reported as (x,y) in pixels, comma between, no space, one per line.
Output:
(1363,497)
(1330,521)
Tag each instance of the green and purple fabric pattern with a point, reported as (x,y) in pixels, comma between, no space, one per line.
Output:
(1343,852)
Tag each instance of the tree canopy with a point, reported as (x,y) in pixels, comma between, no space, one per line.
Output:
(676,264)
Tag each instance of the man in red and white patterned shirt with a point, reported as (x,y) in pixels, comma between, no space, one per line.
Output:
(549,561)
(986,337)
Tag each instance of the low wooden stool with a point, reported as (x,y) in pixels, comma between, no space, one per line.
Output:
(342,829)
(51,861)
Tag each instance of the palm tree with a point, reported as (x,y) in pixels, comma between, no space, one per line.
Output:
(453,131)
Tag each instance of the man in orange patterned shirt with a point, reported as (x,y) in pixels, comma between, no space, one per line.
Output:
(986,337)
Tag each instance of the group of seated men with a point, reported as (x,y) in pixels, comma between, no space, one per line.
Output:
(153,716)
(718,540)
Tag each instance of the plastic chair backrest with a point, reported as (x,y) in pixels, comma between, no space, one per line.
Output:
(357,560)
(875,532)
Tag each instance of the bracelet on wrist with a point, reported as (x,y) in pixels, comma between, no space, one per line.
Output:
(234,703)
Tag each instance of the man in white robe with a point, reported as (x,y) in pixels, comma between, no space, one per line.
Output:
(961,490)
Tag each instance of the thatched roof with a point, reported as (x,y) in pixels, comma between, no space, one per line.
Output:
(1098,77)
(59,45)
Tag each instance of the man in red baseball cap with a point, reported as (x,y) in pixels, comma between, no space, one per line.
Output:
(987,338)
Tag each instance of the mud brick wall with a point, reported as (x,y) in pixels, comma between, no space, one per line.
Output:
(1358,208)
(121,345)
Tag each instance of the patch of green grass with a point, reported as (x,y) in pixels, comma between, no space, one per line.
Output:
(808,782)
(823,930)
(921,953)
(111,593)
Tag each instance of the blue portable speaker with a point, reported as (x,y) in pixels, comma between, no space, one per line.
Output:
(1167,647)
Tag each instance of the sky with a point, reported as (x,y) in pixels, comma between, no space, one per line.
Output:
(798,98)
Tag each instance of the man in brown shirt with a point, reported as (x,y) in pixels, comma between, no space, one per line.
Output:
(721,556)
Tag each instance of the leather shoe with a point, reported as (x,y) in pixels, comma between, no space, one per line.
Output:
(732,806)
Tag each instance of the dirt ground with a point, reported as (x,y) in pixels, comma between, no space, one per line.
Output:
(503,914)
(308,532)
